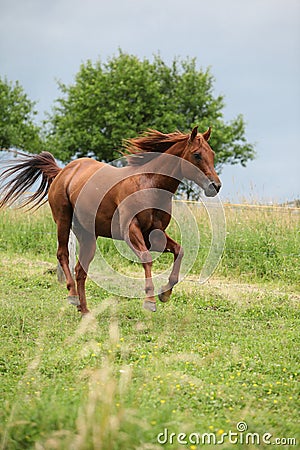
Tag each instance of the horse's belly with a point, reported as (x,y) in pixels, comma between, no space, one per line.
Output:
(107,222)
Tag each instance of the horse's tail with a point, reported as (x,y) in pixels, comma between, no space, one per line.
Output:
(21,175)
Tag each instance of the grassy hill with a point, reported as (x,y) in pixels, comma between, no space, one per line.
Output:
(218,358)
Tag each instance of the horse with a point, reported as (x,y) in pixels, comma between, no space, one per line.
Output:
(132,203)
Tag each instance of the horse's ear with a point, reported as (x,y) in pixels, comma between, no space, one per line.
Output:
(207,133)
(194,133)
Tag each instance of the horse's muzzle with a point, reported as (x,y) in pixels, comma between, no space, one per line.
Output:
(212,189)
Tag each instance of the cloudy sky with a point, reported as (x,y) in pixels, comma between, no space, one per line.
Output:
(252,47)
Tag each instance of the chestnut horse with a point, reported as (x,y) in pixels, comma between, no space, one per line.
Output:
(98,199)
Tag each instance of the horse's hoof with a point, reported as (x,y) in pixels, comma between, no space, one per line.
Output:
(150,306)
(163,296)
(73,300)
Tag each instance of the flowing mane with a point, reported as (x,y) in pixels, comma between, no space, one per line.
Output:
(151,141)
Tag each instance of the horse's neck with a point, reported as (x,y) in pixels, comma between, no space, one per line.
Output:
(165,182)
(165,172)
(170,166)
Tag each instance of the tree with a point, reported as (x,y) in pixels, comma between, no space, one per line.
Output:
(17,127)
(112,101)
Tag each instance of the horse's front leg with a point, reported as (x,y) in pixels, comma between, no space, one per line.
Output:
(177,250)
(135,240)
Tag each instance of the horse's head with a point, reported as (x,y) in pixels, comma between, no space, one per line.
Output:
(200,155)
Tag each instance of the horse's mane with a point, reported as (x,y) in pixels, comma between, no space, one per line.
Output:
(151,141)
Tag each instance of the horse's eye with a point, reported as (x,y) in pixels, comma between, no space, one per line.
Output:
(197,156)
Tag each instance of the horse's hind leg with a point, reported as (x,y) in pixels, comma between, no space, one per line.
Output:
(87,248)
(64,223)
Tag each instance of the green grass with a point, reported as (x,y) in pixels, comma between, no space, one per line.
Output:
(216,355)
(261,244)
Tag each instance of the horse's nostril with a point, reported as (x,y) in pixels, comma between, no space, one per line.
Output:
(216,186)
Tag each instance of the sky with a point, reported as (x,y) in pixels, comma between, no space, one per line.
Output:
(252,48)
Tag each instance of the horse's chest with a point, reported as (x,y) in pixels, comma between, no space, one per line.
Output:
(152,219)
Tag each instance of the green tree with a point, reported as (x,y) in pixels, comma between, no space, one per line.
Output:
(115,100)
(17,127)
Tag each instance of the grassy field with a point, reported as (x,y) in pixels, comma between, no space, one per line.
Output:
(218,357)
